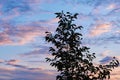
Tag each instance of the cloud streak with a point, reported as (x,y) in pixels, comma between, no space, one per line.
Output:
(13,70)
(26,74)
(21,35)
(100,29)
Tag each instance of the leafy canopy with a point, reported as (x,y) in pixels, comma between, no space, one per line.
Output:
(70,58)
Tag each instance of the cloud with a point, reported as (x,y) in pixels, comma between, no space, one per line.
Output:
(21,35)
(13,13)
(32,53)
(106,59)
(103,39)
(25,74)
(7,6)
(54,20)
(37,51)
(12,70)
(13,61)
(105,53)
(1,60)
(28,33)
(111,6)
(24,33)
(100,29)
(4,38)
(18,66)
(115,74)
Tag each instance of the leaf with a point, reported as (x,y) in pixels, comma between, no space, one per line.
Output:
(51,49)
(47,32)
(75,15)
(58,14)
(80,27)
(48,59)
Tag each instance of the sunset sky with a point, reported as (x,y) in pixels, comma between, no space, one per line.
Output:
(22,30)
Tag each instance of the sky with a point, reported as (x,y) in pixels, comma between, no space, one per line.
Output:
(23,24)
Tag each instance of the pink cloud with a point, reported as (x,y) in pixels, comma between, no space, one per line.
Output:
(21,35)
(115,74)
(111,6)
(5,39)
(55,20)
(28,34)
(40,1)
(100,29)
(35,1)
(34,52)
(13,61)
(105,53)
(107,56)
(1,60)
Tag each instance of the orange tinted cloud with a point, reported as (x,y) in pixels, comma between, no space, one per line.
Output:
(28,34)
(115,74)
(100,29)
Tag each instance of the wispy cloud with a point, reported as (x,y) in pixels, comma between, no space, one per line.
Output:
(21,35)
(13,61)
(13,70)
(37,51)
(111,6)
(26,74)
(100,29)
(106,56)
(105,53)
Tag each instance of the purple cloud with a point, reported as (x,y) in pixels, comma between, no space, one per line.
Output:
(25,74)
(13,70)
(105,60)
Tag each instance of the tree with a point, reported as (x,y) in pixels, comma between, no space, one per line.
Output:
(72,60)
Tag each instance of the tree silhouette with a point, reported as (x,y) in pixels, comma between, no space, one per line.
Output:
(72,60)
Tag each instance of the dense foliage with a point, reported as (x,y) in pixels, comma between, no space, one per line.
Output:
(72,60)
